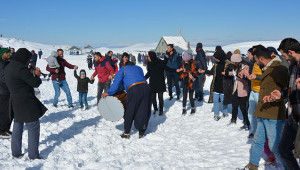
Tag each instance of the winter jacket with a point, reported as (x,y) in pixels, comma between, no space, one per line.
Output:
(174,61)
(52,60)
(200,59)
(62,64)
(103,70)
(189,83)
(33,60)
(241,84)
(3,86)
(228,83)
(23,105)
(127,75)
(40,53)
(255,83)
(274,77)
(217,83)
(113,63)
(156,74)
(82,84)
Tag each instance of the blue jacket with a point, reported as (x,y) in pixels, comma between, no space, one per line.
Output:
(133,74)
(201,59)
(173,61)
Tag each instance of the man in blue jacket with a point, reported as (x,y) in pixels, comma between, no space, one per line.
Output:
(173,61)
(139,98)
(201,64)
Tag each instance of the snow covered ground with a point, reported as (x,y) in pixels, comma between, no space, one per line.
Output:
(76,139)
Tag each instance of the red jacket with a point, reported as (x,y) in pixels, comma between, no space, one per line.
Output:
(103,70)
(62,74)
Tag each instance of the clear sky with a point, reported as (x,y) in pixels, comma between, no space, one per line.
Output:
(119,22)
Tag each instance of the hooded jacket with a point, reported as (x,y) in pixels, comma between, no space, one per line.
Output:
(103,69)
(174,61)
(200,59)
(82,84)
(52,60)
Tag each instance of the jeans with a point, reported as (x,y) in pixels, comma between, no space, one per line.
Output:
(253,100)
(83,100)
(170,78)
(102,86)
(33,139)
(216,97)
(199,91)
(65,87)
(266,128)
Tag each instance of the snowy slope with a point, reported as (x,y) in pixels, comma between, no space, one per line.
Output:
(76,139)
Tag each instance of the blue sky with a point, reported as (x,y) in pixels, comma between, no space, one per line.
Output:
(119,22)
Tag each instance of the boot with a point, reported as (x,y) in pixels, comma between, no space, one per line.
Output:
(125,136)
(245,127)
(183,111)
(171,96)
(161,113)
(217,118)
(154,112)
(232,122)
(193,111)
(250,166)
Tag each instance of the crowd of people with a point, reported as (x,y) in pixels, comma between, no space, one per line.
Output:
(265,86)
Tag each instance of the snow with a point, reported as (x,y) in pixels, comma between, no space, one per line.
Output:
(77,139)
(177,41)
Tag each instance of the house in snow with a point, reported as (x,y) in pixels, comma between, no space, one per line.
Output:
(88,49)
(75,50)
(179,43)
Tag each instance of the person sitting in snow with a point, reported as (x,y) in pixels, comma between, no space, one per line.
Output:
(82,87)
(188,77)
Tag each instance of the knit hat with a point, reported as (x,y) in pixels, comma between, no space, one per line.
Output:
(186,56)
(2,51)
(125,55)
(236,58)
(22,56)
(237,51)
(272,50)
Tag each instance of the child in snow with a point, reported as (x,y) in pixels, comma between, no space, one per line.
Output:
(82,87)
(52,62)
(188,77)
(240,89)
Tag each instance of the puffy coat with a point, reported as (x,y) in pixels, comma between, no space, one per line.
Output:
(103,69)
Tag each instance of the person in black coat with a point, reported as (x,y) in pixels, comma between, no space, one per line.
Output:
(156,68)
(83,87)
(24,107)
(200,60)
(33,59)
(5,122)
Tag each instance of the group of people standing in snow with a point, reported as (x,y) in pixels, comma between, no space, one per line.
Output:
(261,86)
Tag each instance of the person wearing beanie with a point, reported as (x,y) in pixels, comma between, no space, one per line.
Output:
(155,72)
(173,60)
(82,87)
(61,83)
(125,60)
(25,107)
(240,89)
(188,76)
(217,86)
(274,54)
(200,61)
(5,121)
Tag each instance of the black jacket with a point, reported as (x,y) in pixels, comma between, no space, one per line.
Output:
(200,59)
(82,84)
(3,87)
(23,105)
(33,60)
(156,74)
